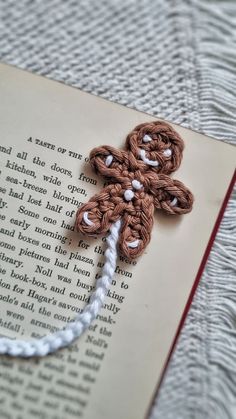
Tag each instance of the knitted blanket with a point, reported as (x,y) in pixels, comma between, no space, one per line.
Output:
(175,59)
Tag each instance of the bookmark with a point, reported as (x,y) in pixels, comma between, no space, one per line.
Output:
(138,183)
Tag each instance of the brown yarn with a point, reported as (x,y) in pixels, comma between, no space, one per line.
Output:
(157,190)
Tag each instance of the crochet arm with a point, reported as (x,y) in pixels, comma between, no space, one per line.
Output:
(108,161)
(171,195)
(136,228)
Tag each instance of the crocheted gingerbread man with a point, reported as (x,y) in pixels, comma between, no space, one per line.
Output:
(139,182)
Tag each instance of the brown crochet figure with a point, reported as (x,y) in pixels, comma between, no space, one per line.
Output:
(139,182)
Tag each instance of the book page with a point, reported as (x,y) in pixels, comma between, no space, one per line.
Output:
(48,270)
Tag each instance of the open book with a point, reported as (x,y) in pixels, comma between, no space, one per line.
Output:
(48,270)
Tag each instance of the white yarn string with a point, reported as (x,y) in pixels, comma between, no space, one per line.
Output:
(64,337)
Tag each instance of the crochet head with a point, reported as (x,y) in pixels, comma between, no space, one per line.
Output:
(155,146)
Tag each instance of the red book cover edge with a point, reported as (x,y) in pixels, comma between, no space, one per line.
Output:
(195,285)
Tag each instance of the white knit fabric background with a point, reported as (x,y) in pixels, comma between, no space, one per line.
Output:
(175,59)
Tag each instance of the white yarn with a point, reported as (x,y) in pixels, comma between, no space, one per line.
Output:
(64,337)
(174,202)
(167,152)
(86,219)
(133,244)
(147,138)
(142,154)
(108,160)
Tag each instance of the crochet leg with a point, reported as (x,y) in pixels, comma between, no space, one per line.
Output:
(136,229)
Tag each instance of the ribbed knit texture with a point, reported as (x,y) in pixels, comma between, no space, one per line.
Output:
(175,59)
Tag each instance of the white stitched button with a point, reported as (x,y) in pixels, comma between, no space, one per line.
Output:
(136,184)
(128,194)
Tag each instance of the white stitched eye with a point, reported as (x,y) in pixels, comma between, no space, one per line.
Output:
(147,138)
(167,152)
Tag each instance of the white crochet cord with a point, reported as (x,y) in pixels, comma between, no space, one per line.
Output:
(64,337)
